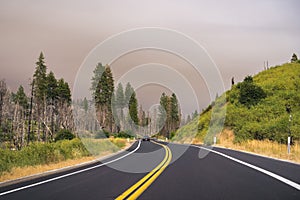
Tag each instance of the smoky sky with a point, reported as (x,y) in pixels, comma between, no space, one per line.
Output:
(238,35)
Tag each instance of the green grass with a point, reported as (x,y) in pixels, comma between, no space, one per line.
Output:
(266,120)
(97,146)
(47,153)
(41,153)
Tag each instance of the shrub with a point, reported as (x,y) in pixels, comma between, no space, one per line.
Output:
(124,134)
(41,153)
(64,134)
(250,94)
(101,134)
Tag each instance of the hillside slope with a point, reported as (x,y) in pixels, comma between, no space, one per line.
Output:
(261,117)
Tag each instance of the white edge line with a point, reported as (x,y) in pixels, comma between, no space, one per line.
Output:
(280,178)
(70,174)
(259,155)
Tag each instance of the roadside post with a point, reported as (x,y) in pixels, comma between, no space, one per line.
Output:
(289,144)
(215,140)
(289,110)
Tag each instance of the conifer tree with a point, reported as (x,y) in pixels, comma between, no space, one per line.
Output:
(40,91)
(133,109)
(294,58)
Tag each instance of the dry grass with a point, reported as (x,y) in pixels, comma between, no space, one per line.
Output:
(20,172)
(265,147)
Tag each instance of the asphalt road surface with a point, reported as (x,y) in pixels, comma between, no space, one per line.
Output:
(150,170)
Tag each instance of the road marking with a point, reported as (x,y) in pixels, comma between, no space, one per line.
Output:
(138,188)
(276,176)
(69,174)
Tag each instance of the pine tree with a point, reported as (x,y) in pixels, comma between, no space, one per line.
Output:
(85,105)
(133,109)
(21,106)
(163,110)
(169,114)
(51,85)
(21,98)
(103,93)
(98,71)
(3,90)
(108,97)
(120,99)
(40,88)
(128,92)
(64,119)
(188,119)
(175,118)
(40,78)
(63,91)
(51,96)
(294,58)
(195,114)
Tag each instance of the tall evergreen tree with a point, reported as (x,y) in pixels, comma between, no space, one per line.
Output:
(40,88)
(51,92)
(3,90)
(175,117)
(85,105)
(21,107)
(21,98)
(133,109)
(51,96)
(108,97)
(103,93)
(40,79)
(120,101)
(128,92)
(169,114)
(98,71)
(163,111)
(63,91)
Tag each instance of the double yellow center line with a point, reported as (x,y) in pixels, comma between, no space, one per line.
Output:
(138,188)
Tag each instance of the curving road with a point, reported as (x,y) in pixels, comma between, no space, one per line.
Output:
(149,170)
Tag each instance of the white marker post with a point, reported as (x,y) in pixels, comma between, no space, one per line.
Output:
(289,145)
(215,140)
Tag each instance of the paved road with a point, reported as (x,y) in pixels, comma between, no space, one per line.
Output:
(187,177)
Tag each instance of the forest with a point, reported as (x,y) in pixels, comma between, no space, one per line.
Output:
(49,114)
(40,116)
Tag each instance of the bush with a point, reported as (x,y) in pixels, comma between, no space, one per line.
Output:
(119,142)
(101,135)
(124,134)
(41,153)
(64,135)
(250,94)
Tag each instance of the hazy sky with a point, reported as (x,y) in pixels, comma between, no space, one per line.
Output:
(238,35)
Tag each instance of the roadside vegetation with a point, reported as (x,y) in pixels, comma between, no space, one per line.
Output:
(263,147)
(41,157)
(261,112)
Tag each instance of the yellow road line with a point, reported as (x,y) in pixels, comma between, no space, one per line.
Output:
(138,188)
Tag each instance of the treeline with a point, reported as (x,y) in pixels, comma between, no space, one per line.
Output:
(117,108)
(39,116)
(169,115)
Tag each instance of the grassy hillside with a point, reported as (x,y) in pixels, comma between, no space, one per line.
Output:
(255,109)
